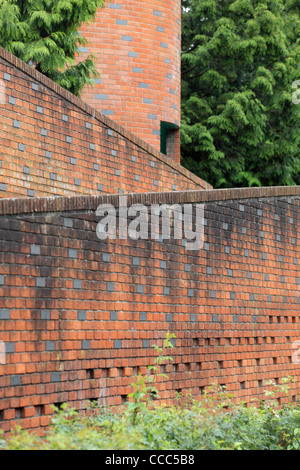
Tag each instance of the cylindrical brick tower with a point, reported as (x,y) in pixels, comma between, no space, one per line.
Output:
(137,48)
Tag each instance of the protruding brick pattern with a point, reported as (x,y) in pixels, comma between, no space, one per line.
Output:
(137,47)
(55,144)
(79,316)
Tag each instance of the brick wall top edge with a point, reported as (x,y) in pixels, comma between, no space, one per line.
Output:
(95,114)
(81,203)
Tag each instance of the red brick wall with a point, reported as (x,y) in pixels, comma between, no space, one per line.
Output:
(55,144)
(137,48)
(78,315)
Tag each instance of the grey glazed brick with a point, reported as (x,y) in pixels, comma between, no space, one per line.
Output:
(227,250)
(26,170)
(143,85)
(73,161)
(83,49)
(254,320)
(85,344)
(15,380)
(235,318)
(152,164)
(92,146)
(152,116)
(244,230)
(100,187)
(232,295)
(251,296)
(35,249)
(246,253)
(147,100)
(44,132)
(280,258)
(163,264)
(264,256)
(50,345)
(117,172)
(121,22)
(39,110)
(48,154)
(9,347)
(266,277)
(173,187)
(21,147)
(137,70)
(259,212)
(55,377)
(77,182)
(72,253)
(30,192)
(69,139)
(193,317)
(187,268)
(77,284)
(106,257)
(133,158)
(282,279)
(146,343)
(136,177)
(45,314)
(4,314)
(65,118)
(35,87)
(169,317)
(166,290)
(215,317)
(225,226)
(2,280)
(96,167)
(117,344)
(68,222)
(110,132)
(140,289)
(164,45)
(110,286)
(209,270)
(113,316)
(261,234)
(167,60)
(190,292)
(160,29)
(115,6)
(53,176)
(229,272)
(249,275)
(269,298)
(40,282)
(143,316)
(157,13)
(135,261)
(113,153)
(206,246)
(295,261)
(88,125)
(126,38)
(2,187)
(241,207)
(169,75)
(81,315)
(11,100)
(16,124)
(7,77)
(155,182)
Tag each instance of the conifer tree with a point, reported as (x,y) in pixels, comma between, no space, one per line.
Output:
(240,71)
(45,33)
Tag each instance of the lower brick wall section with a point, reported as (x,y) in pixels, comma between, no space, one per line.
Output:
(79,316)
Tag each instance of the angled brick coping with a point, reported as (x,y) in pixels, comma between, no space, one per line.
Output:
(82,203)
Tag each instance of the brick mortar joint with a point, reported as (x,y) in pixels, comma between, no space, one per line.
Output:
(95,114)
(13,206)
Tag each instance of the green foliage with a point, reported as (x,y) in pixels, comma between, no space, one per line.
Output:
(214,422)
(45,33)
(240,59)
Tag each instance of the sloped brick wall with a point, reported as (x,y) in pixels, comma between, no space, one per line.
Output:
(79,315)
(52,143)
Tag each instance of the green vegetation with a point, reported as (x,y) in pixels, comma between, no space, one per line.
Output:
(45,33)
(214,422)
(240,70)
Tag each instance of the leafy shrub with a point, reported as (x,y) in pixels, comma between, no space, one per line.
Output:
(213,422)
